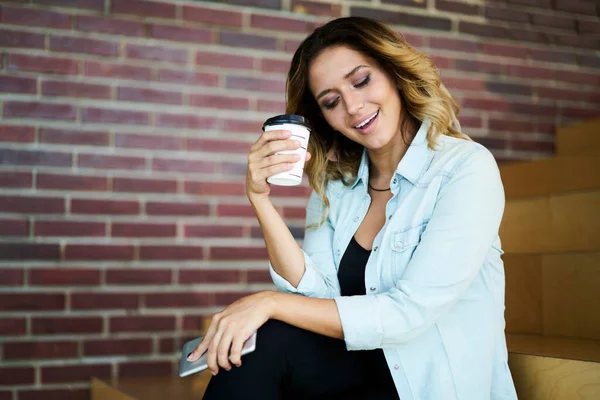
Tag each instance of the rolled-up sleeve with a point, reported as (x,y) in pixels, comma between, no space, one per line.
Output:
(452,250)
(320,275)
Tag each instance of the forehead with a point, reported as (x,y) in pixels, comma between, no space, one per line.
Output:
(332,64)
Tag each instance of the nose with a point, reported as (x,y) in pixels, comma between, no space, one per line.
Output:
(354,103)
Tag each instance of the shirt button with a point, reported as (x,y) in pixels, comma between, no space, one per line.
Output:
(390,217)
(338,252)
(396,367)
(372,288)
(395,180)
(375,249)
(356,218)
(399,243)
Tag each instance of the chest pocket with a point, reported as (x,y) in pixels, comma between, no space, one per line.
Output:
(403,244)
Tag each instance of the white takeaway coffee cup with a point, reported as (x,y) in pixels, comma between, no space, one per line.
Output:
(300,129)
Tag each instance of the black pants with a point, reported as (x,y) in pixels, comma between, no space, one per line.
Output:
(292,363)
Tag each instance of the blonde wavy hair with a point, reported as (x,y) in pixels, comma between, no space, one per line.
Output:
(422,94)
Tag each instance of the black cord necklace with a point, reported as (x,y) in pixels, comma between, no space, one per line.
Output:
(378,190)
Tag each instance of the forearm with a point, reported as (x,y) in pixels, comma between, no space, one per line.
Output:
(312,314)
(284,253)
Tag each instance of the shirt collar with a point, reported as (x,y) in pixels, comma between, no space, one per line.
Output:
(413,164)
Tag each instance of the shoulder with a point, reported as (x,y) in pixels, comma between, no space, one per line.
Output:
(453,154)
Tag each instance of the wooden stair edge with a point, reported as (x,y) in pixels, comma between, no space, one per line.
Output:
(554,347)
(578,138)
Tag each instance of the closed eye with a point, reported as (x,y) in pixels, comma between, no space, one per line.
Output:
(363,83)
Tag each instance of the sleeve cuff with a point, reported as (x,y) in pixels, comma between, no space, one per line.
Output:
(309,282)
(361,321)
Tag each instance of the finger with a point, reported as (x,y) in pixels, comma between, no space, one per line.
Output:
(236,350)
(308,157)
(264,173)
(208,338)
(223,350)
(212,353)
(277,146)
(268,136)
(199,350)
(278,159)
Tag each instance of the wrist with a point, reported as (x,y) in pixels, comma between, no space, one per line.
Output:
(273,304)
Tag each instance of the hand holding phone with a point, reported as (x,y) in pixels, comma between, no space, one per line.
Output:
(187,368)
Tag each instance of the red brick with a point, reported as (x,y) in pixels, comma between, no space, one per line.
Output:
(457,7)
(241,126)
(255,84)
(186,299)
(554,56)
(29,251)
(576,6)
(224,60)
(114,26)
(505,50)
(123,71)
(144,368)
(506,14)
(109,207)
(15,84)
(589,61)
(581,78)
(258,276)
(231,168)
(171,208)
(166,345)
(71,44)
(75,373)
(153,142)
(588,27)
(238,253)
(215,188)
(483,30)
(174,252)
(218,145)
(63,277)
(156,53)
(235,210)
(214,231)
(493,143)
(104,301)
(32,205)
(54,394)
(117,347)
(453,44)
(294,212)
(471,122)
(10,276)
(110,162)
(32,301)
(577,41)
(34,17)
(186,121)
(275,65)
(182,165)
(553,21)
(15,133)
(73,137)
(510,125)
(9,38)
(75,89)
(149,95)
(13,179)
(290,45)
(566,94)
(222,102)
(69,228)
(487,104)
(190,276)
(246,40)
(35,110)
(14,227)
(196,322)
(142,323)
(98,252)
(134,185)
(533,109)
(580,113)
(138,276)
(180,34)
(17,375)
(188,77)
(312,7)
(211,16)
(125,117)
(143,230)
(226,298)
(523,71)
(464,84)
(545,4)
(27,157)
(97,5)
(144,8)
(271,106)
(401,18)
(291,191)
(509,88)
(39,349)
(13,326)
(442,62)
(532,146)
(278,23)
(63,325)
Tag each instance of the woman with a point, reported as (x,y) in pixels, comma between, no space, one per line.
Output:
(399,289)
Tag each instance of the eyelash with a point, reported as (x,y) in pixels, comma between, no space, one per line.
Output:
(359,85)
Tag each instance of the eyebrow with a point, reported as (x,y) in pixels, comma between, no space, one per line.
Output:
(348,75)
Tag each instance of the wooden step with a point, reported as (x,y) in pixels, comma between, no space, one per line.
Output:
(551,176)
(557,223)
(547,368)
(151,388)
(553,294)
(579,139)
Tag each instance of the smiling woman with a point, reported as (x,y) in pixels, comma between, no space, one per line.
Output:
(401,256)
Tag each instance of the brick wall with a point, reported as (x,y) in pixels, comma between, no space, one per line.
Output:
(124,132)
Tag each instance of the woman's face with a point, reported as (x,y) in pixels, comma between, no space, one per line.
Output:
(356,96)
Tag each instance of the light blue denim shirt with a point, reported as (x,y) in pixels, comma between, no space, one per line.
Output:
(434,279)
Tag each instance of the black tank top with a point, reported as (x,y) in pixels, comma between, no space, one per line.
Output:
(351,273)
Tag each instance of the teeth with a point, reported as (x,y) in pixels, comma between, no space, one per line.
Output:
(367,121)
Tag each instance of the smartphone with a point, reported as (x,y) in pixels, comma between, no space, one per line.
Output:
(187,368)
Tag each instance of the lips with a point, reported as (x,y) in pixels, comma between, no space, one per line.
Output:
(365,121)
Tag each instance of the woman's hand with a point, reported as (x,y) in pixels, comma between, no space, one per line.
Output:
(230,328)
(263,162)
